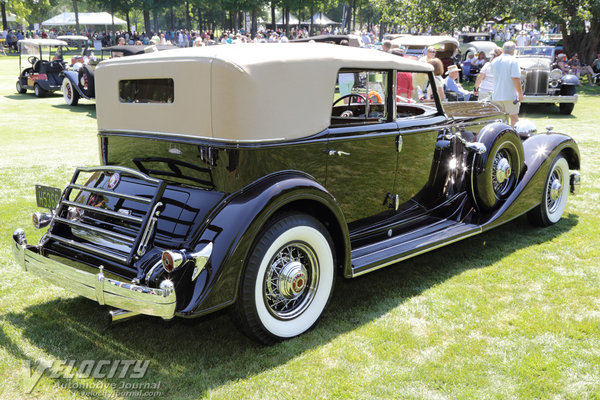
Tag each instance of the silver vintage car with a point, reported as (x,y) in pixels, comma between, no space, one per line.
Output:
(544,83)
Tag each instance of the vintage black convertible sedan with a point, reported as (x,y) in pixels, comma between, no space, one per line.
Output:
(250,177)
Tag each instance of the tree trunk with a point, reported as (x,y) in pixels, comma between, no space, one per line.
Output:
(273,22)
(287,21)
(3,11)
(581,42)
(147,23)
(127,20)
(348,17)
(76,17)
(311,30)
(199,12)
(172,18)
(187,16)
(254,29)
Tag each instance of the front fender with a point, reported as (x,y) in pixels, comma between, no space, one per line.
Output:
(73,76)
(540,151)
(234,226)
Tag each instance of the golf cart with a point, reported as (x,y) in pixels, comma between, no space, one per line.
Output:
(78,82)
(44,63)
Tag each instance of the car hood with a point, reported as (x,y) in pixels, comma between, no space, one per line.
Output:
(466,110)
(534,62)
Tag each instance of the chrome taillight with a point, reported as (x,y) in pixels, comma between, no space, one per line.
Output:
(41,219)
(173,259)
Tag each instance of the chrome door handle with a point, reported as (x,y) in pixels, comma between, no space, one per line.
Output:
(338,153)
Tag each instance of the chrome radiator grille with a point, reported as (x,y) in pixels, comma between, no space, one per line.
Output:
(536,81)
(108,223)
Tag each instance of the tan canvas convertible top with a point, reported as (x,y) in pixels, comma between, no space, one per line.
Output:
(236,93)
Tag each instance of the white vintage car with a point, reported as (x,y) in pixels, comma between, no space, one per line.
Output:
(542,82)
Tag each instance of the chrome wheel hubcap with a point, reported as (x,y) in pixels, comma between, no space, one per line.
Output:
(502,173)
(291,281)
(554,190)
(503,170)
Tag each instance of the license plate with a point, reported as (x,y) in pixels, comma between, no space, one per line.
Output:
(47,196)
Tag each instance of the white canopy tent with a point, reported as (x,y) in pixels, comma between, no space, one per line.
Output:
(293,20)
(98,18)
(322,19)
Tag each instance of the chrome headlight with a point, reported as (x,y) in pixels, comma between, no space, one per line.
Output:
(525,127)
(555,74)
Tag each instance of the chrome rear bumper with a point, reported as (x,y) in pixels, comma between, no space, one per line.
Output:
(128,296)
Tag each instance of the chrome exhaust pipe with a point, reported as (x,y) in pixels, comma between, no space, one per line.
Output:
(117,316)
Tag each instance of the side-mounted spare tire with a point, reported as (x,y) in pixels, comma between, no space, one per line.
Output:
(86,80)
(494,174)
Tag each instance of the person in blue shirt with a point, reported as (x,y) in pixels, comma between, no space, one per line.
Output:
(451,84)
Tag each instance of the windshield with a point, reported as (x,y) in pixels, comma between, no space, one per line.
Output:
(535,51)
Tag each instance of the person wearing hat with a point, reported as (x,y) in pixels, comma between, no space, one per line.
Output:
(451,84)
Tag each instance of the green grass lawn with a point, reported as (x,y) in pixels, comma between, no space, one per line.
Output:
(513,313)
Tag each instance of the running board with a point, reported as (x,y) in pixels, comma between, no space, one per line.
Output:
(409,244)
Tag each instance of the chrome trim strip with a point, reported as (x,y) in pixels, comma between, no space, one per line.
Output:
(81,225)
(549,99)
(424,250)
(110,193)
(91,249)
(214,139)
(113,214)
(201,259)
(99,287)
(124,170)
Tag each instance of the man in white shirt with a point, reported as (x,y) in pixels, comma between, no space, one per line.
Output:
(507,82)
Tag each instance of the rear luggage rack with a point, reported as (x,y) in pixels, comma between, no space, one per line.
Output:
(130,233)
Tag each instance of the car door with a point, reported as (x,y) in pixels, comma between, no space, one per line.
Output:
(361,148)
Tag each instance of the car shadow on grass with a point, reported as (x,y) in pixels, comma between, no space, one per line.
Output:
(89,108)
(191,357)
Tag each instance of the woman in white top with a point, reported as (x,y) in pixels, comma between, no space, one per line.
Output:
(484,85)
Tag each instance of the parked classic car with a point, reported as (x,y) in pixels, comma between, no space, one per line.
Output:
(213,192)
(474,43)
(416,46)
(44,64)
(353,40)
(542,82)
(78,82)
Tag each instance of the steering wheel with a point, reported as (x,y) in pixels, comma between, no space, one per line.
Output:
(32,59)
(349,96)
(348,113)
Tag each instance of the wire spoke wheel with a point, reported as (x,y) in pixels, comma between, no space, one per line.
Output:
(291,280)
(288,279)
(554,195)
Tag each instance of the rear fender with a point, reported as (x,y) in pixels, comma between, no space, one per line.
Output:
(234,226)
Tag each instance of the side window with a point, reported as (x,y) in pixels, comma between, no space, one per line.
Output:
(359,98)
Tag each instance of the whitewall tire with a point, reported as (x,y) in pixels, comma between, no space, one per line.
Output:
(554,196)
(288,279)
(69,92)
